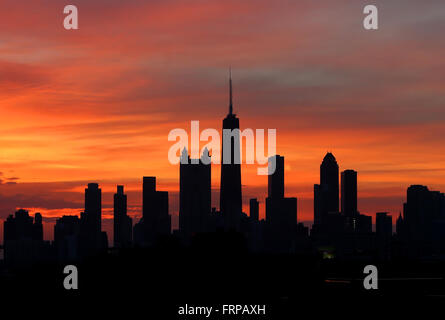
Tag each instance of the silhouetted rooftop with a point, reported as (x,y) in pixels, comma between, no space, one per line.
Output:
(329,157)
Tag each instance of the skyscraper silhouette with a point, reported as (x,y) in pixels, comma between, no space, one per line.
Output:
(422,228)
(194,194)
(93,208)
(37,232)
(66,238)
(275,186)
(91,237)
(156,220)
(123,225)
(149,199)
(281,212)
(383,227)
(327,219)
(418,214)
(254,209)
(320,210)
(400,228)
(329,178)
(155,207)
(326,194)
(22,239)
(230,193)
(349,193)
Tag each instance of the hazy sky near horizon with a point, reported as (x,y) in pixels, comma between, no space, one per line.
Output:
(97,104)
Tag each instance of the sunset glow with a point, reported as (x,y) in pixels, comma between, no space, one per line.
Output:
(97,104)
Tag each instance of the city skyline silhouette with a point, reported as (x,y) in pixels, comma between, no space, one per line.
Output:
(420,230)
(71,116)
(87,181)
(330,174)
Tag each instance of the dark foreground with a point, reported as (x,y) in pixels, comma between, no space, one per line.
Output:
(160,281)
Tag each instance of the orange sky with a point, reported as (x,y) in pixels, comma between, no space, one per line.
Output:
(97,104)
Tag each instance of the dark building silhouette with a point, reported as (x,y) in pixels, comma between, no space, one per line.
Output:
(364,224)
(344,234)
(349,231)
(149,198)
(37,232)
(156,221)
(400,227)
(23,238)
(438,229)
(422,228)
(66,238)
(92,239)
(329,178)
(93,207)
(383,225)
(254,209)
(275,186)
(419,215)
(281,212)
(230,192)
(320,210)
(326,198)
(349,193)
(194,194)
(255,227)
(123,224)
(139,238)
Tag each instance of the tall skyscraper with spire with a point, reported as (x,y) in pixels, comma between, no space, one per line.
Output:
(230,193)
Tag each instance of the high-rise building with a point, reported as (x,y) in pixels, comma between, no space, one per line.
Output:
(275,186)
(400,228)
(326,196)
(277,206)
(194,194)
(155,208)
(230,193)
(37,233)
(93,207)
(22,238)
(329,178)
(123,224)
(156,220)
(163,222)
(418,213)
(91,237)
(320,211)
(254,209)
(364,224)
(66,238)
(149,198)
(422,227)
(281,212)
(349,193)
(383,225)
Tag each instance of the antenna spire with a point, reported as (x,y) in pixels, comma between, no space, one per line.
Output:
(230,87)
